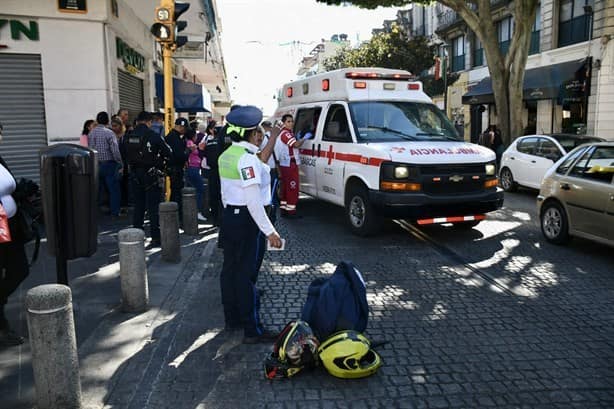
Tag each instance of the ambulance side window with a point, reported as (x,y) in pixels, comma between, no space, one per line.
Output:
(336,128)
(306,122)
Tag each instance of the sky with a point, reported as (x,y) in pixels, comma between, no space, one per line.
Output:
(263,41)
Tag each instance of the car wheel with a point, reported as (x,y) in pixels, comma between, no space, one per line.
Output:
(554,224)
(360,213)
(466,225)
(507,180)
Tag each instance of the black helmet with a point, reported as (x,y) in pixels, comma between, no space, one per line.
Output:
(295,348)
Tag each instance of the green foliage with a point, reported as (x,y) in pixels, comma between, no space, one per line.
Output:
(436,87)
(369,4)
(386,50)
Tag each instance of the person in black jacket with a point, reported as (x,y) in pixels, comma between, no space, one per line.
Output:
(14,266)
(178,143)
(146,152)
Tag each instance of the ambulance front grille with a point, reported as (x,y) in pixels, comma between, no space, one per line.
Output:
(442,180)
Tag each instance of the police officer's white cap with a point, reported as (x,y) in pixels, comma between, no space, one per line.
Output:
(243,118)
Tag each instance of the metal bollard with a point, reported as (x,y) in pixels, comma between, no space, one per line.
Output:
(169,232)
(54,347)
(190,211)
(133,270)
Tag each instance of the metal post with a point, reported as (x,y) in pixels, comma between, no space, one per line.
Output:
(190,211)
(169,232)
(133,270)
(55,361)
(61,264)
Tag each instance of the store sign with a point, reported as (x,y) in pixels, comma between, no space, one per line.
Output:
(19,30)
(133,61)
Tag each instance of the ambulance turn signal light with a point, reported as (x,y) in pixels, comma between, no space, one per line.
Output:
(325,84)
(413,86)
(491,183)
(289,92)
(360,84)
(401,186)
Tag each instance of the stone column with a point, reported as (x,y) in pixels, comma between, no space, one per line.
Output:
(54,347)
(169,232)
(190,211)
(133,270)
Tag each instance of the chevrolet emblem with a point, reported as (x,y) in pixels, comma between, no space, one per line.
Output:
(456,178)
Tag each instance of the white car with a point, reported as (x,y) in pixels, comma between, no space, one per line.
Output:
(528,158)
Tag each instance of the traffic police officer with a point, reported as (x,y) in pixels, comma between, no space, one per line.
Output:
(245,182)
(147,152)
(178,143)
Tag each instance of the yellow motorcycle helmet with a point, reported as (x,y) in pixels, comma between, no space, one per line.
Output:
(348,354)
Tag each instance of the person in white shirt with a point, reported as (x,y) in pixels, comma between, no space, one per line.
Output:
(245,186)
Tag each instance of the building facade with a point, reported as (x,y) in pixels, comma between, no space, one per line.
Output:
(568,83)
(62,62)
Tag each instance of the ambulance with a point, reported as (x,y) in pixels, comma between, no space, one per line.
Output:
(379,147)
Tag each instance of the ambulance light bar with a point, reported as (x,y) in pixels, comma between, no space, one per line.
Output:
(378,76)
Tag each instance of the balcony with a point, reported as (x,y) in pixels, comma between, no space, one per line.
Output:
(574,31)
(534,46)
(458,63)
(478,57)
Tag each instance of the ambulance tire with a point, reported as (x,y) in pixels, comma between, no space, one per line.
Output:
(360,212)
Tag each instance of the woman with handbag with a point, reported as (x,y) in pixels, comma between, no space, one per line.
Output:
(14,266)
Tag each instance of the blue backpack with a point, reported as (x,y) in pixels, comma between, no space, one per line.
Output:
(337,303)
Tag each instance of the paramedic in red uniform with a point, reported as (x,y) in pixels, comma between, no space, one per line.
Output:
(288,165)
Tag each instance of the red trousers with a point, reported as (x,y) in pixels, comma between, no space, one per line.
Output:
(289,188)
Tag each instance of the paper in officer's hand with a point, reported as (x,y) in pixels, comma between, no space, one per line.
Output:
(283,245)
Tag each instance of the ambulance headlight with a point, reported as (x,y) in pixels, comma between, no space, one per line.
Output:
(401,172)
(490,169)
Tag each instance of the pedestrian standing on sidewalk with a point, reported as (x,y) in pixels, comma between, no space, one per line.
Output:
(245,182)
(87,127)
(213,149)
(272,162)
(119,130)
(146,152)
(13,261)
(193,177)
(288,165)
(103,140)
(176,140)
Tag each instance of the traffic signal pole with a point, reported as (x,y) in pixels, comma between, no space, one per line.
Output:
(167,53)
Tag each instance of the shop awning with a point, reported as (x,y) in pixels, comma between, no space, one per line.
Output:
(188,96)
(548,82)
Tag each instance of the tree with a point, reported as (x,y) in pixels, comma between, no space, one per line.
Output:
(388,50)
(506,70)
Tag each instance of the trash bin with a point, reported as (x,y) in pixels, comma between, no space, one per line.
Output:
(69,190)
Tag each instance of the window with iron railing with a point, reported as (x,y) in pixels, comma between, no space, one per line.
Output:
(574,22)
(457,62)
(478,57)
(534,46)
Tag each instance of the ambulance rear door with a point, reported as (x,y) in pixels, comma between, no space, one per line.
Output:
(335,146)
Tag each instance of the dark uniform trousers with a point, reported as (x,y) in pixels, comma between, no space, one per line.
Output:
(240,243)
(147,196)
(175,173)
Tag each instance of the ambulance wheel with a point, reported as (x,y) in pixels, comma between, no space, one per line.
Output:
(507,180)
(360,212)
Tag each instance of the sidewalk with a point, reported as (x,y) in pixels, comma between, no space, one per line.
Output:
(106,336)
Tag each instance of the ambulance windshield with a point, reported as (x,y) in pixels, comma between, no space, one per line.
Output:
(387,121)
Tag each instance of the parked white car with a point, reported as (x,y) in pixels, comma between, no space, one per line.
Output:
(528,158)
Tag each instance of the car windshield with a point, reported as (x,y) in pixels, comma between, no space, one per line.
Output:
(386,121)
(568,142)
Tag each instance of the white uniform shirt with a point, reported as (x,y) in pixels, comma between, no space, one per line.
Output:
(271,161)
(252,172)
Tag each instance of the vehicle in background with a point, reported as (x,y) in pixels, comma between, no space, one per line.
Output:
(379,147)
(577,195)
(528,158)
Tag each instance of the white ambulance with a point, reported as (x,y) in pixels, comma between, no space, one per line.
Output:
(381,148)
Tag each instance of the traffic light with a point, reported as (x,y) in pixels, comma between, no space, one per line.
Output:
(179,9)
(166,27)
(163,28)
